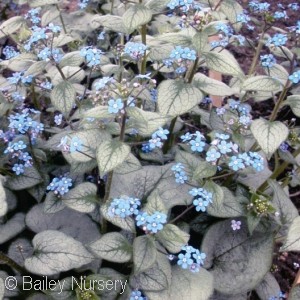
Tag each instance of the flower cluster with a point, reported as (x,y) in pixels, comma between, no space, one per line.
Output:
(295,77)
(47,85)
(23,123)
(92,56)
(267,60)
(135,50)
(70,145)
(191,258)
(195,140)
(151,223)
(242,160)
(241,110)
(220,146)
(124,207)
(202,198)
(277,40)
(60,185)
(226,33)
(115,106)
(10,52)
(58,119)
(183,5)
(280,15)
(180,175)
(103,83)
(47,54)
(157,138)
(259,7)
(33,15)
(136,295)
(38,34)
(8,135)
(180,58)
(83,3)
(21,159)
(18,77)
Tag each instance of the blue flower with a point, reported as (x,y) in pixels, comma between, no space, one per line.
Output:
(136,295)
(295,77)
(222,136)
(278,39)
(173,4)
(236,163)
(17,97)
(280,15)
(184,260)
(243,18)
(199,257)
(245,120)
(135,50)
(224,28)
(233,104)
(103,82)
(47,54)
(247,160)
(91,55)
(220,111)
(293,6)
(60,185)
(146,148)
(83,3)
(225,147)
(141,218)
(161,133)
(101,36)
(200,204)
(284,147)
(18,169)
(33,15)
(181,177)
(178,167)
(76,144)
(197,145)
(267,60)
(259,7)
(154,222)
(124,207)
(257,161)
(54,28)
(184,5)
(153,93)
(155,143)
(186,137)
(183,53)
(115,106)
(202,198)
(10,52)
(213,155)
(47,85)
(58,119)
(143,76)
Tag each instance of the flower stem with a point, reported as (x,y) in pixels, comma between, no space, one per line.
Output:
(61,20)
(10,262)
(182,214)
(169,142)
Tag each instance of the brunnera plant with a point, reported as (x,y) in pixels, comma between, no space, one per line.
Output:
(115,165)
